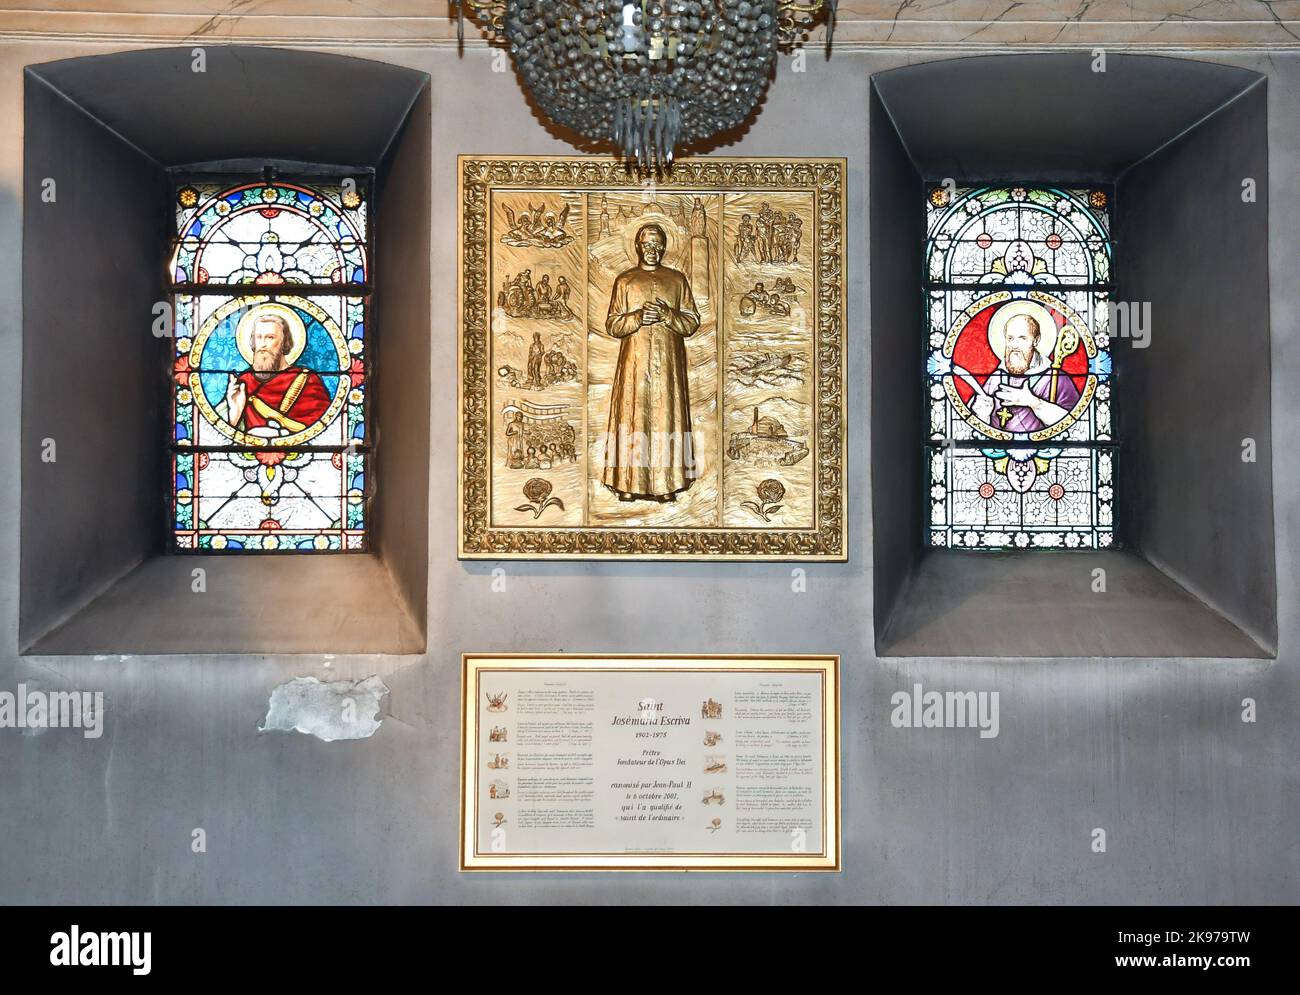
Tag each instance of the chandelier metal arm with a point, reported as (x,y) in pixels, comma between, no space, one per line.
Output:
(490,15)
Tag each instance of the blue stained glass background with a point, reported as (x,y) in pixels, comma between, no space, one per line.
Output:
(221,352)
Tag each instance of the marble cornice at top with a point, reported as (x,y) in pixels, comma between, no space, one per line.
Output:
(862,24)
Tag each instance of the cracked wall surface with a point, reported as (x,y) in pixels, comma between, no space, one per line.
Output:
(330,710)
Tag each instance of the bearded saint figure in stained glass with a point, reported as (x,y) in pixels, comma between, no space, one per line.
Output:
(275,396)
(1019,370)
(270,292)
(1025,393)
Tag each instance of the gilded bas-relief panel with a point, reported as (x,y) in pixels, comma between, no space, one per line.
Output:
(652,369)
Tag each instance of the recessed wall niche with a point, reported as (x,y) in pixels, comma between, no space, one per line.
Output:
(110,132)
(1193,574)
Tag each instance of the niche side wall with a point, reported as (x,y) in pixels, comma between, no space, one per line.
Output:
(1195,250)
(92,269)
(402,311)
(897,468)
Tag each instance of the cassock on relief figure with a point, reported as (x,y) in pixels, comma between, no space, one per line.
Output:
(648,448)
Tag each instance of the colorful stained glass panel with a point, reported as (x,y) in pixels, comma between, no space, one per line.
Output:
(270,233)
(1019,380)
(1041,498)
(270,500)
(319,395)
(269,368)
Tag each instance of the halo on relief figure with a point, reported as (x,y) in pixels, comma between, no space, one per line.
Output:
(671,236)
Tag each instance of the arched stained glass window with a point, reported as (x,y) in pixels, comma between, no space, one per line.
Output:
(271,287)
(1018,377)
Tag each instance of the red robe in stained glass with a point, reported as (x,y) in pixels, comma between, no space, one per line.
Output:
(295,398)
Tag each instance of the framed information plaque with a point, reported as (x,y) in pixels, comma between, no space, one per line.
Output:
(577,762)
(652,368)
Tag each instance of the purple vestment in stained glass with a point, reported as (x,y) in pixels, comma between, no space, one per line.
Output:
(1022,419)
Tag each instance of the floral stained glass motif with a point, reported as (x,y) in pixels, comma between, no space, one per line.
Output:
(1018,379)
(269,368)
(269,233)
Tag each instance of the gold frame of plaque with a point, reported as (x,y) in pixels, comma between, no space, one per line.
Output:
(482,772)
(684,405)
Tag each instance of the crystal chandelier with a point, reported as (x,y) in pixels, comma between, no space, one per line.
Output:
(649,75)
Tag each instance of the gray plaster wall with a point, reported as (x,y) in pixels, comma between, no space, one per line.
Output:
(1197,806)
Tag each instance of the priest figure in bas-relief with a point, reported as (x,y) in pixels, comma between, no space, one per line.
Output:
(648,451)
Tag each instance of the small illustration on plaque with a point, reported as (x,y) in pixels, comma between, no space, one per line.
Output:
(538,437)
(547,366)
(765,443)
(538,492)
(538,227)
(777,299)
(770,492)
(771,236)
(520,299)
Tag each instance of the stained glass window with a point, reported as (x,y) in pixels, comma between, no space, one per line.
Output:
(270,289)
(1018,377)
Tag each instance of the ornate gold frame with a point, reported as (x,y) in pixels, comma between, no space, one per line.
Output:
(828,859)
(477,538)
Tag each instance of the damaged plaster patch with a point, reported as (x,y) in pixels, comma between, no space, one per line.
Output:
(328,711)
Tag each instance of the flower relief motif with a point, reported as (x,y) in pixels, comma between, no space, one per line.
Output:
(538,492)
(770,492)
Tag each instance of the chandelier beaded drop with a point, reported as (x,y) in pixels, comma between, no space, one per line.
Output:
(649,75)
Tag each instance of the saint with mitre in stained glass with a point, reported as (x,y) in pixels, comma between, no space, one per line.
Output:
(1026,392)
